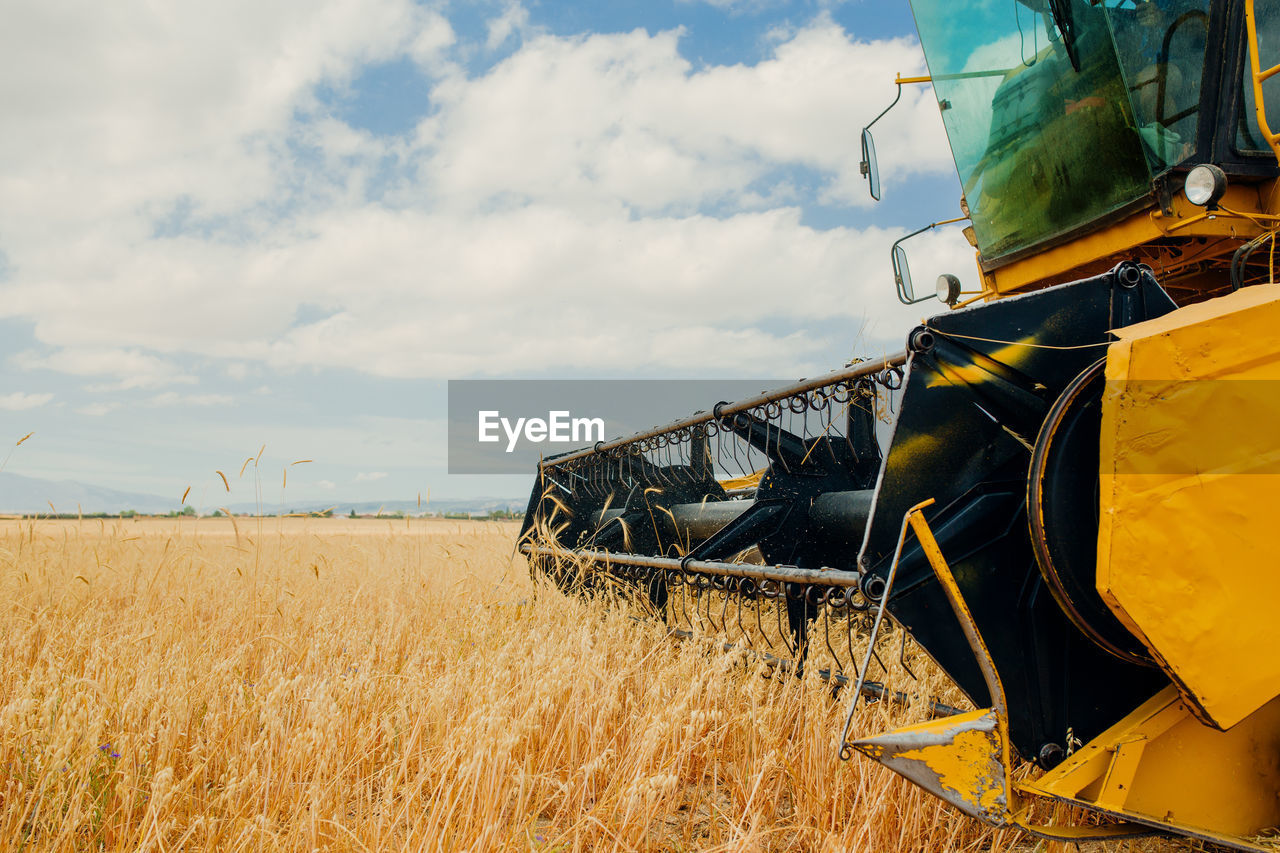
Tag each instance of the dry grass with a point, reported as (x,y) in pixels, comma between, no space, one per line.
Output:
(329,684)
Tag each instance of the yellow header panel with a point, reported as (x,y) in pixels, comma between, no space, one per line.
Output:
(1190,473)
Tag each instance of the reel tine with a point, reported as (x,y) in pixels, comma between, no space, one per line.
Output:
(684,602)
(902,657)
(850,625)
(742,632)
(779,605)
(724,608)
(826,633)
(704,598)
(673,605)
(875,653)
(759,602)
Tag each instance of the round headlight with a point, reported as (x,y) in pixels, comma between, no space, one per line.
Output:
(1205,184)
(948,289)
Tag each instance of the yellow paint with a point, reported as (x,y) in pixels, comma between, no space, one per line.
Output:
(959,758)
(912,447)
(1000,711)
(750,481)
(1013,354)
(1101,249)
(947,580)
(1160,764)
(1118,782)
(1190,471)
(942,726)
(969,766)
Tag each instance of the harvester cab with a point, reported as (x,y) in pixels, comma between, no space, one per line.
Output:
(1058,488)
(1073,151)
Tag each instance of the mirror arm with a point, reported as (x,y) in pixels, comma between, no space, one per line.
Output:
(899,81)
(892,104)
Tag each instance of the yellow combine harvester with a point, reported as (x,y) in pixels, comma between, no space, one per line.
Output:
(1072,513)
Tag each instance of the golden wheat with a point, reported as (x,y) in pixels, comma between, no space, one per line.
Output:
(308,684)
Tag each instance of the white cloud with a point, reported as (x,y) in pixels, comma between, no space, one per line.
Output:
(434,36)
(327,485)
(513,20)
(366,476)
(18,401)
(118,109)
(623,119)
(133,368)
(172,398)
(589,203)
(97,410)
(738,5)
(611,308)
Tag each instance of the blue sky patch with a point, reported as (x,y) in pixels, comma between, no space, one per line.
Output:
(387,99)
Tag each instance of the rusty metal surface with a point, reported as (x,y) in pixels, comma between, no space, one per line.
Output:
(960,759)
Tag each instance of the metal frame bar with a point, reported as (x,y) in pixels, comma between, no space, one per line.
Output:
(858,371)
(779,574)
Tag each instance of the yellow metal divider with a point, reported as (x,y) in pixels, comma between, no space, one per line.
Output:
(1259,76)
(966,759)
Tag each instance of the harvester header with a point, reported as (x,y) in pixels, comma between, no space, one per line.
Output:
(1059,488)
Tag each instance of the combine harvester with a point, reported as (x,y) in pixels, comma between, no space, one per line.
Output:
(1071,513)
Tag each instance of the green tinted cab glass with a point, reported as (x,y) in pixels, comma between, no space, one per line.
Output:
(1161,45)
(1041,149)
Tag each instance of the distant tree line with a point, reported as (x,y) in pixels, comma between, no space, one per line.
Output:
(188,511)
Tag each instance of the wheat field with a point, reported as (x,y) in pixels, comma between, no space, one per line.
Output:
(325,684)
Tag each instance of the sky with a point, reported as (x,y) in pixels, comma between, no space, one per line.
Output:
(232,225)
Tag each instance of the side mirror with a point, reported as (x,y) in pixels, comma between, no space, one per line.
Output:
(902,275)
(902,271)
(869,167)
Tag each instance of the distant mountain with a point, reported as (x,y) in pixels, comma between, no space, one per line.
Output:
(370,507)
(19,494)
